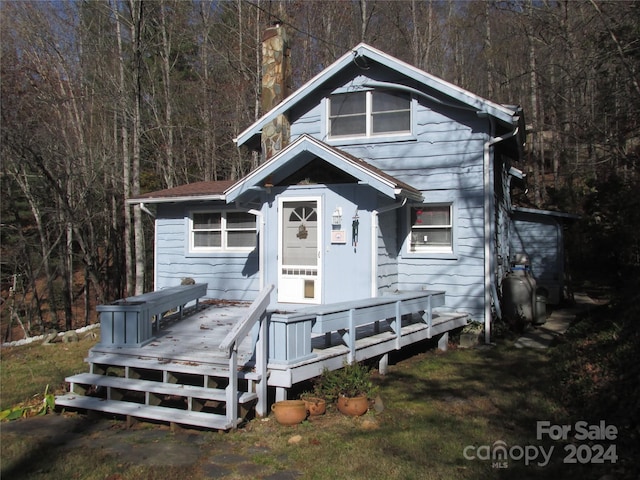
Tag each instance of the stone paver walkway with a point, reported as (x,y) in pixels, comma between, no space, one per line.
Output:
(557,324)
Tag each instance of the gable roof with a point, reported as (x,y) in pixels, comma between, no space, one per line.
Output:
(503,113)
(304,150)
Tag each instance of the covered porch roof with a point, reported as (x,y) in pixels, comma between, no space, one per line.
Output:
(307,154)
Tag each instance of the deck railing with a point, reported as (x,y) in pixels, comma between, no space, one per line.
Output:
(257,315)
(290,333)
(129,322)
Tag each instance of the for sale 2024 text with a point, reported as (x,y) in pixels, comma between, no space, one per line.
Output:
(580,432)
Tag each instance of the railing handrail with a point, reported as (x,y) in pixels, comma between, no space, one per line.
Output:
(242,328)
(315,311)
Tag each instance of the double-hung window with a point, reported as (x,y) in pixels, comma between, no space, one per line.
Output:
(369,113)
(222,231)
(431,229)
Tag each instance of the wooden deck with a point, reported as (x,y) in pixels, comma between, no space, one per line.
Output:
(184,361)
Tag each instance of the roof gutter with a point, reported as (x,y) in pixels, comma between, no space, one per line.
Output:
(185,198)
(498,111)
(489,206)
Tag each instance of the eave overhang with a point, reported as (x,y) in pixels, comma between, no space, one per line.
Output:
(190,192)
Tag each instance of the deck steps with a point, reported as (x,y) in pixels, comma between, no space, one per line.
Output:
(156,399)
(150,412)
(84,381)
(100,361)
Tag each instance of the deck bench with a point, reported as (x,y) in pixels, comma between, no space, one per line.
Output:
(128,322)
(293,330)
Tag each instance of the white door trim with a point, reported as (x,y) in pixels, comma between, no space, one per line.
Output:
(300,283)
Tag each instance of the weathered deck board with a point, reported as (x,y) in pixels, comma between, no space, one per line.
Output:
(192,344)
(137,410)
(194,339)
(138,385)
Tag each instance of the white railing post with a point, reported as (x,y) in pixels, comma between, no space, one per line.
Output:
(262,348)
(352,336)
(232,388)
(397,324)
(256,313)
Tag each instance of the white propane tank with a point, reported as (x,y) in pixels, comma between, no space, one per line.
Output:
(519,294)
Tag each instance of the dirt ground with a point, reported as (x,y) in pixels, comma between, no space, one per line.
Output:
(142,444)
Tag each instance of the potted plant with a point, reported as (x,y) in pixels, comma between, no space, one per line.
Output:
(315,403)
(350,387)
(289,412)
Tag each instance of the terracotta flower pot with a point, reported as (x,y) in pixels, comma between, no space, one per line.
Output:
(353,406)
(289,412)
(315,406)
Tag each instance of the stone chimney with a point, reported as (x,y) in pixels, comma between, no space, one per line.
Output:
(276,80)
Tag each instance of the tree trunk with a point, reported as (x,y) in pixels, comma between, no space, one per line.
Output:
(136,35)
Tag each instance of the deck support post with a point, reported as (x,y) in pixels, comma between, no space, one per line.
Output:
(232,388)
(443,342)
(383,364)
(397,325)
(281,394)
(261,368)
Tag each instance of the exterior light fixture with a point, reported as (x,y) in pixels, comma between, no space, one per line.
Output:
(336,218)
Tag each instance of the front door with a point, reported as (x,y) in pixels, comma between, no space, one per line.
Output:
(299,250)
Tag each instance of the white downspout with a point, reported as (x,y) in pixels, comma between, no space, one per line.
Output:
(488,224)
(144,208)
(374,242)
(261,262)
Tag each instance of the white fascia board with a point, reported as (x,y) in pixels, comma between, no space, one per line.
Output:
(186,198)
(547,213)
(501,112)
(292,99)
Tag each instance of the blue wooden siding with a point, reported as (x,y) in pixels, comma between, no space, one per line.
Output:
(388,251)
(230,276)
(445,161)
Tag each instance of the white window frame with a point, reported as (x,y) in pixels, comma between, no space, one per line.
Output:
(369,114)
(224,231)
(427,249)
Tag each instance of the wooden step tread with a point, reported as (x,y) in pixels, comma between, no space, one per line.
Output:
(163,414)
(151,363)
(158,387)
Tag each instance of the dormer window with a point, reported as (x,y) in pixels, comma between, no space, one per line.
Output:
(369,113)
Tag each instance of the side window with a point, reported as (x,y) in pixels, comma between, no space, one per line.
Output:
(369,113)
(431,229)
(241,230)
(222,231)
(206,230)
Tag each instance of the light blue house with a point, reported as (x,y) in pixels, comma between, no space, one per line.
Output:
(378,218)
(383,178)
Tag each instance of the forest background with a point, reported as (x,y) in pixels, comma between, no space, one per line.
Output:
(105,99)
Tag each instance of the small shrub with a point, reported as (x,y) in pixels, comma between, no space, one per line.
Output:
(352,380)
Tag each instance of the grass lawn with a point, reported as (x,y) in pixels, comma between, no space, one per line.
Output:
(437,406)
